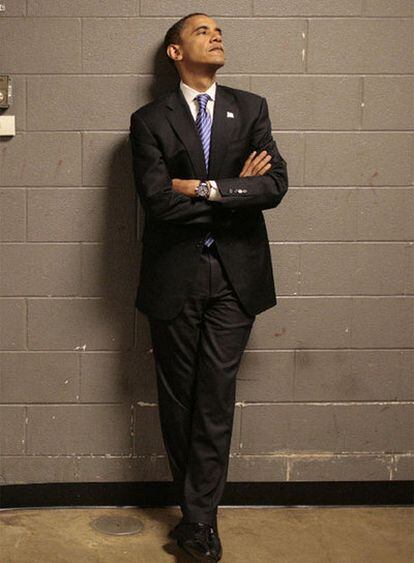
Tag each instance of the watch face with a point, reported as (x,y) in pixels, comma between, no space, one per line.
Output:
(202,189)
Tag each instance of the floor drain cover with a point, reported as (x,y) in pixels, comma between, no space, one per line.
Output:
(118,525)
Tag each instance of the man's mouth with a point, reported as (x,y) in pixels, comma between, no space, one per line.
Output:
(217,49)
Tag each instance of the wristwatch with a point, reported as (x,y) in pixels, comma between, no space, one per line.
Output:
(203,189)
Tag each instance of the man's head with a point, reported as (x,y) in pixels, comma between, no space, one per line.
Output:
(195,43)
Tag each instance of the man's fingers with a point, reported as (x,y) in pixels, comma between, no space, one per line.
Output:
(260,161)
(247,164)
(264,162)
(259,158)
(256,164)
(263,170)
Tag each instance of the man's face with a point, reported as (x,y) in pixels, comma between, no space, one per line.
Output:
(201,43)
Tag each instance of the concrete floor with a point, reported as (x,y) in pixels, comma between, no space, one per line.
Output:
(249,535)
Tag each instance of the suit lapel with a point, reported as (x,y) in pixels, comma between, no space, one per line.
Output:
(179,115)
(223,124)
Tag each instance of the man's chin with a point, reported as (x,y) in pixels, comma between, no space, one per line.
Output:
(216,64)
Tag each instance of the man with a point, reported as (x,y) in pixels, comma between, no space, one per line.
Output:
(205,166)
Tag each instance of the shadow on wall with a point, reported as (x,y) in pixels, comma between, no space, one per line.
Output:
(120,261)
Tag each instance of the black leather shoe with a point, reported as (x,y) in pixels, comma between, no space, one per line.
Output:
(199,540)
(176,532)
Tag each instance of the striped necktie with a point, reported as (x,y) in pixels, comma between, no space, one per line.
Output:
(203,123)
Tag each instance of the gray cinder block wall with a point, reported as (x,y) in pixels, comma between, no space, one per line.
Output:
(325,390)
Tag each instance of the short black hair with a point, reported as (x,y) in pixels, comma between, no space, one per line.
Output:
(173,34)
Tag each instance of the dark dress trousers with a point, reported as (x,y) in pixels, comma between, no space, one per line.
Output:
(201,303)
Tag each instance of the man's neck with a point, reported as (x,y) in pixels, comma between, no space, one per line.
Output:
(199,82)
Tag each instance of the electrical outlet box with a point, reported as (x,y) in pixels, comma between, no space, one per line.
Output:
(5,91)
(7,126)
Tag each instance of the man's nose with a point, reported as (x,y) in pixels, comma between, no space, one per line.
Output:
(217,37)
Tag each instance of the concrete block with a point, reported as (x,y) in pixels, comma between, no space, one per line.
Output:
(358,159)
(102,102)
(341,468)
(68,215)
(247,45)
(307,214)
(266,376)
(12,431)
(29,377)
(13,320)
(404,468)
(179,8)
(12,215)
(80,8)
(79,324)
(306,8)
(73,215)
(311,102)
(107,160)
(79,429)
(42,159)
(389,9)
(15,8)
(109,269)
(27,45)
(382,322)
(388,102)
(352,375)
(286,268)
(385,214)
(257,468)
(241,82)
(19,470)
(123,45)
(40,269)
(119,469)
(364,45)
(364,428)
(409,286)
(105,378)
(303,322)
(352,269)
(292,147)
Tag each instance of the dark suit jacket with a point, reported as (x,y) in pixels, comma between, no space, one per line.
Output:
(166,145)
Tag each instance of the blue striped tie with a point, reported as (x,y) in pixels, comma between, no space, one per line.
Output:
(203,122)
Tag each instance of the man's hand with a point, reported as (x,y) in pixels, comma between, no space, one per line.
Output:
(185,187)
(256,164)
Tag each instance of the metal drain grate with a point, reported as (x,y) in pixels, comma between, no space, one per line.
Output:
(117,525)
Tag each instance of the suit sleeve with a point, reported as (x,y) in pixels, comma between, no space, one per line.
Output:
(262,192)
(154,185)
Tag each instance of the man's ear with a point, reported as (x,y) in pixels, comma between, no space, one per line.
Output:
(174,52)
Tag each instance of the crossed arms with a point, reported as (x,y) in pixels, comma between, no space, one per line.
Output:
(261,183)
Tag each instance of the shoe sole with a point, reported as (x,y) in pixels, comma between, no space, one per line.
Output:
(196,554)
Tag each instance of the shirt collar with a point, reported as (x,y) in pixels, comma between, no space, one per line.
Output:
(189,93)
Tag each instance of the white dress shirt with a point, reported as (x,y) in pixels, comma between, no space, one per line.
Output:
(190,94)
